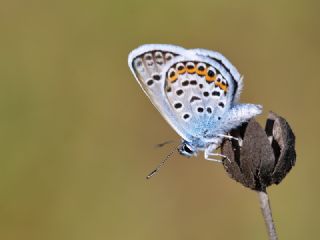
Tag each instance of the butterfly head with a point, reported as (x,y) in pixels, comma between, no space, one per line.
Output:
(187,149)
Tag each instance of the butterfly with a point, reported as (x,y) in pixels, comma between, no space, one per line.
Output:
(196,91)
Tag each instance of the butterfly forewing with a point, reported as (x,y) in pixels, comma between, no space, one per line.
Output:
(148,64)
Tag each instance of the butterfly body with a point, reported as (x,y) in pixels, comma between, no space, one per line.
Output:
(195,90)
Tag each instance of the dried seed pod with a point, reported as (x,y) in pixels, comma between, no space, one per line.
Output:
(260,157)
(283,142)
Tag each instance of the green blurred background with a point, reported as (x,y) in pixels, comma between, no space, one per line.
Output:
(77,133)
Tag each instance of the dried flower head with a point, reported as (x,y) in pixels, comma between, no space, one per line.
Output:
(260,157)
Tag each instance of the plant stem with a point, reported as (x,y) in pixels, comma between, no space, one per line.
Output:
(267,214)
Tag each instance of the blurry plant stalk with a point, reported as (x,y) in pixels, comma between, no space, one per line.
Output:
(260,158)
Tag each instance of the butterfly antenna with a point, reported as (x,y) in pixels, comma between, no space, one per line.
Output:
(159,145)
(155,171)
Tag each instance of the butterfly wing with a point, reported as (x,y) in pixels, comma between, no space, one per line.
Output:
(199,91)
(237,113)
(190,90)
(227,65)
(147,64)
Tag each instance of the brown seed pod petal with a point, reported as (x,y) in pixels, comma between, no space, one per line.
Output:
(257,158)
(231,164)
(283,142)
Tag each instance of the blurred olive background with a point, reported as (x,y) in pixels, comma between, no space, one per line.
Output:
(77,133)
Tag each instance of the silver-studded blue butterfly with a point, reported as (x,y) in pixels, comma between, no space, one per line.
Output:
(195,90)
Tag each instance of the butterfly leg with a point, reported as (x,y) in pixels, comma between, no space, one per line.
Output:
(228,137)
(209,152)
(207,157)
(231,138)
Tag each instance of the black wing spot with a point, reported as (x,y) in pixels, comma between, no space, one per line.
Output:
(200,85)
(178,105)
(179,92)
(193,82)
(169,89)
(206,94)
(221,104)
(156,77)
(200,109)
(219,118)
(209,110)
(190,66)
(194,98)
(185,83)
(210,73)
(215,93)
(186,116)
(150,82)
(201,68)
(172,74)
(180,68)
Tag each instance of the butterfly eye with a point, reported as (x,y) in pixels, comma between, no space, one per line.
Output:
(187,149)
(201,69)
(181,69)
(210,75)
(191,68)
(172,75)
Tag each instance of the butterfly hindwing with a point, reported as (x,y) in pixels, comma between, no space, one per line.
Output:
(198,92)
(228,67)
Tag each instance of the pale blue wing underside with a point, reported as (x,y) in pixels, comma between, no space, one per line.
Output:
(216,56)
(151,69)
(145,71)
